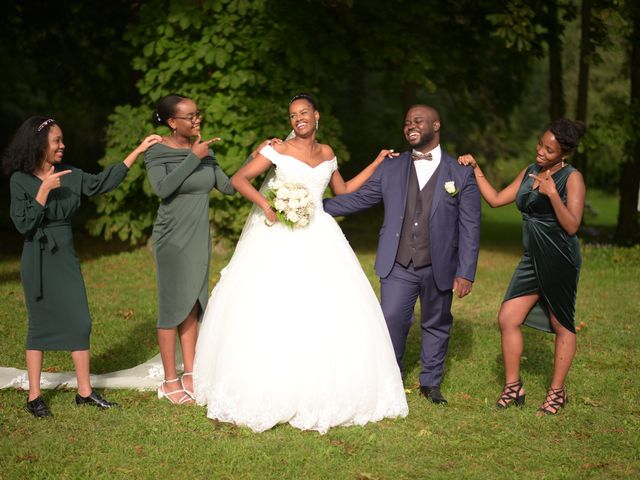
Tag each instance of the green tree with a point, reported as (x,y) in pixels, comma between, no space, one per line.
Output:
(628,227)
(236,60)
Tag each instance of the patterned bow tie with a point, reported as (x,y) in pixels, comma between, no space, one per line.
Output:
(421,156)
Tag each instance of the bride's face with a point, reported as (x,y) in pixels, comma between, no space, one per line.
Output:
(303,117)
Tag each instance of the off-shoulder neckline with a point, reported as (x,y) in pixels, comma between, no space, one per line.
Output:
(300,161)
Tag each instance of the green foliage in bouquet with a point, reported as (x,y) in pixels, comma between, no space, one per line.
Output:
(237,60)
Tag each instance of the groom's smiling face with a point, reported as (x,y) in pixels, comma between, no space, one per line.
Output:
(421,128)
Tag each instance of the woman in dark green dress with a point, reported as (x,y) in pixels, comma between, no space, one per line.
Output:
(182,172)
(44,196)
(542,293)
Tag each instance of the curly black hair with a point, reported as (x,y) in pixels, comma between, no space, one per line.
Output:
(304,96)
(166,108)
(27,148)
(567,132)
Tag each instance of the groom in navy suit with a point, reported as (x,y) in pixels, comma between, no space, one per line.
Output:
(429,239)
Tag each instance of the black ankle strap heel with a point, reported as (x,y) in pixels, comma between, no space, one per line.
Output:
(511,395)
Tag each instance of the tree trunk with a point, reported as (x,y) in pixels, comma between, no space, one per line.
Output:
(586,50)
(554,41)
(627,231)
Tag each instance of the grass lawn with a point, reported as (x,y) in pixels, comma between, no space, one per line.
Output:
(596,436)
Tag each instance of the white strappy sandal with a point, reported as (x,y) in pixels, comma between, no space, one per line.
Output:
(186,398)
(188,392)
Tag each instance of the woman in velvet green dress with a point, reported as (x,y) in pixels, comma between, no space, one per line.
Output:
(182,172)
(44,197)
(542,293)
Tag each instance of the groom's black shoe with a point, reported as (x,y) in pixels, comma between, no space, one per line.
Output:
(38,408)
(96,400)
(433,394)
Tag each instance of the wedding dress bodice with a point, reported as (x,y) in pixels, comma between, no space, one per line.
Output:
(291,170)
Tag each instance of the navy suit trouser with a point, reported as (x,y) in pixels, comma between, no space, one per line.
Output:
(400,291)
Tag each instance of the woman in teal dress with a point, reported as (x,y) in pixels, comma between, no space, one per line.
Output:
(45,195)
(182,171)
(542,293)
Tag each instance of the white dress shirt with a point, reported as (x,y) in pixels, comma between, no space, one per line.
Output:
(425,168)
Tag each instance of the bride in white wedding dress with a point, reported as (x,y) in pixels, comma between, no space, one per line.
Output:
(293,332)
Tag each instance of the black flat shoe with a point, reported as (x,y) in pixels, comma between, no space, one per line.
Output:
(433,394)
(38,408)
(96,400)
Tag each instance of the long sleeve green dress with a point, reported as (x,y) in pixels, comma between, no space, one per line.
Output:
(54,289)
(181,236)
(550,264)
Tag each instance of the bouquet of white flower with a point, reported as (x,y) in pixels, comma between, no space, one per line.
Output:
(292,202)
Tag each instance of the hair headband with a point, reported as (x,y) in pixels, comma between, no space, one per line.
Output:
(48,121)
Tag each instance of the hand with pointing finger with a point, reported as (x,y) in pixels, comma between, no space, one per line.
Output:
(51,180)
(546,184)
(200,148)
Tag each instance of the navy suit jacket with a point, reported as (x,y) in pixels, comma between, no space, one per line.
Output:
(454,224)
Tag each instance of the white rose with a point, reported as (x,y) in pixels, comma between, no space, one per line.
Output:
(293,216)
(293,203)
(304,202)
(280,204)
(304,221)
(450,187)
(295,194)
(283,193)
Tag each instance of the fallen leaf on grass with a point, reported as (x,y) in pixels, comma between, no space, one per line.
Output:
(126,314)
(466,396)
(580,326)
(138,449)
(29,457)
(366,476)
(408,391)
(345,446)
(594,466)
(51,369)
(591,403)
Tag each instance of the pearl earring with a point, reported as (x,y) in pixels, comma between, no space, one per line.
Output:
(316,124)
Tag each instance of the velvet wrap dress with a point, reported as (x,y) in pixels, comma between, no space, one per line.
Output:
(181,238)
(551,261)
(54,289)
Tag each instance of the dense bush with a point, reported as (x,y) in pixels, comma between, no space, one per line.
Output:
(222,54)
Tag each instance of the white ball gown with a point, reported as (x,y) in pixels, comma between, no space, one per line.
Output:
(293,331)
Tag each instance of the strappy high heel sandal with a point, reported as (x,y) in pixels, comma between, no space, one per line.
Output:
(189,392)
(556,399)
(185,398)
(511,395)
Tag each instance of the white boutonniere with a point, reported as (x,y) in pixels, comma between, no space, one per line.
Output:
(450,188)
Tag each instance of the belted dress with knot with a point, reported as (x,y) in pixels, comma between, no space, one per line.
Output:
(54,289)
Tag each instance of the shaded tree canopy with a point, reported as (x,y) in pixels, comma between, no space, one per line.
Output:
(99,68)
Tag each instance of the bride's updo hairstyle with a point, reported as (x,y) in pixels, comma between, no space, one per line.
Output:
(166,108)
(304,96)
(568,133)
